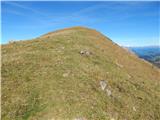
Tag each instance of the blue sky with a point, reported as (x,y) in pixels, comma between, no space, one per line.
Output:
(126,23)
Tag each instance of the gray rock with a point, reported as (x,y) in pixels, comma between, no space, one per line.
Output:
(85,52)
(88,53)
(82,52)
(103,84)
(112,119)
(134,109)
(104,87)
(80,118)
(108,92)
(65,74)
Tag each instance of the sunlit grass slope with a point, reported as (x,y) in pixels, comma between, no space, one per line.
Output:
(48,78)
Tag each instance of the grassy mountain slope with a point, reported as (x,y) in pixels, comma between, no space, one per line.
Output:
(48,79)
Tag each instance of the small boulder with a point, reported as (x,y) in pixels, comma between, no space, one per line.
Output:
(80,118)
(112,119)
(108,92)
(134,109)
(103,84)
(88,53)
(82,52)
(105,88)
(85,52)
(65,74)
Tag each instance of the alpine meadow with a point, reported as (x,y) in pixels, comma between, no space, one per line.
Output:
(77,74)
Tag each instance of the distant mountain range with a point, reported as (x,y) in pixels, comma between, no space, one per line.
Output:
(149,53)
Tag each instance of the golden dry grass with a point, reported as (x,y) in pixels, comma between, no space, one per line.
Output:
(34,86)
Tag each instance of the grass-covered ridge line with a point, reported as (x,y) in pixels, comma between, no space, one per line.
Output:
(48,78)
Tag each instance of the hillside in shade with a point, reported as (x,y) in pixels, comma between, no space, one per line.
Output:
(77,74)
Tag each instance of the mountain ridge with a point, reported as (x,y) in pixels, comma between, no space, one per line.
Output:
(74,75)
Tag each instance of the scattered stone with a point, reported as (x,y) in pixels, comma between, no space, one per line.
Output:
(82,52)
(52,119)
(119,65)
(129,76)
(112,119)
(85,52)
(108,92)
(80,118)
(103,84)
(65,74)
(134,109)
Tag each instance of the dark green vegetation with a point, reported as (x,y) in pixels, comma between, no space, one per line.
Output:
(48,79)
